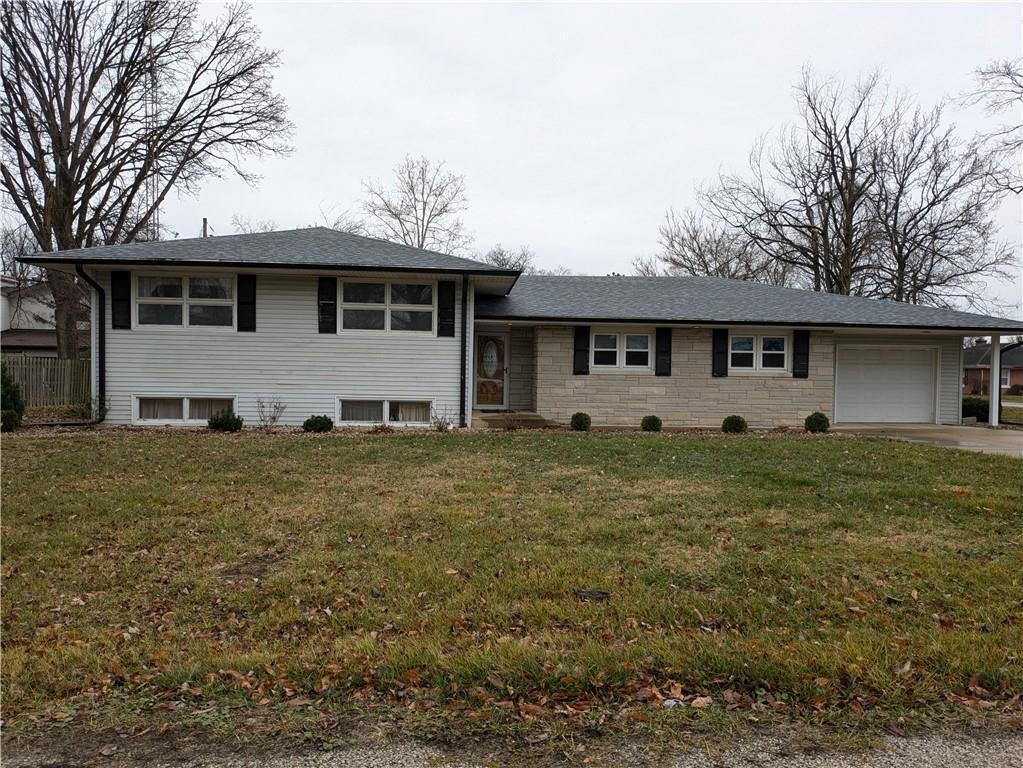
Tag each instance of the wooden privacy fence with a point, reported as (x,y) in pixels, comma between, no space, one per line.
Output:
(49,380)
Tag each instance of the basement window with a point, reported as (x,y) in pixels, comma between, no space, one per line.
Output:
(397,412)
(166,410)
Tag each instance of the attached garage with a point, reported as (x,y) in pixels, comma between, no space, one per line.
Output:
(894,384)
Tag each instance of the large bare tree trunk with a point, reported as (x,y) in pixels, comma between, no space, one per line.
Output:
(66,303)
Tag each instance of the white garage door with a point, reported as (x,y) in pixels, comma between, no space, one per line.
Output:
(888,384)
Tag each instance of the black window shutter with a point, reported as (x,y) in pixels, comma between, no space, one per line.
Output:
(662,365)
(246,303)
(326,301)
(719,357)
(446,308)
(120,299)
(800,354)
(581,351)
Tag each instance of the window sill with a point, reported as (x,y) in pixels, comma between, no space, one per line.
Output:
(763,372)
(179,328)
(374,334)
(641,370)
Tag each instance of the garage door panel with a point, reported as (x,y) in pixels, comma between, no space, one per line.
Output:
(884,384)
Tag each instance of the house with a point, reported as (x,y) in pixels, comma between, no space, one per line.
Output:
(26,320)
(367,331)
(977,368)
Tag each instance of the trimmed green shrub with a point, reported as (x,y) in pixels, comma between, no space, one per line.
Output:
(1015,389)
(9,421)
(817,422)
(650,424)
(225,421)
(11,401)
(734,425)
(979,407)
(318,424)
(581,421)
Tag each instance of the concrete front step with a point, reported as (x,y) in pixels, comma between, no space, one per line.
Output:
(509,420)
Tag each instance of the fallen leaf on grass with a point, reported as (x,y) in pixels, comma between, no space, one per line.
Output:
(701,702)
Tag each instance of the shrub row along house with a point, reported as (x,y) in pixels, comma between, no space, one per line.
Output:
(370,332)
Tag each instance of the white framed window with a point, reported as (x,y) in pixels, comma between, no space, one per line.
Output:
(620,350)
(764,352)
(169,409)
(400,306)
(185,301)
(637,350)
(774,352)
(364,412)
(605,350)
(1003,377)
(741,352)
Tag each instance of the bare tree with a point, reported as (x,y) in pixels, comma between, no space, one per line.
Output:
(524,260)
(421,207)
(866,194)
(1000,90)
(107,107)
(691,244)
(933,208)
(344,220)
(805,201)
(15,242)
(243,225)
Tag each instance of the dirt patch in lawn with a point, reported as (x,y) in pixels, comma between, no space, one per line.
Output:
(251,568)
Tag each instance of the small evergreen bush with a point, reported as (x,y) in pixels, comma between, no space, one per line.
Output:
(817,422)
(225,421)
(11,401)
(734,425)
(318,424)
(650,424)
(979,407)
(9,421)
(581,422)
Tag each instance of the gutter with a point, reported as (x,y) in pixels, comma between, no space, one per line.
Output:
(101,344)
(582,320)
(256,266)
(465,362)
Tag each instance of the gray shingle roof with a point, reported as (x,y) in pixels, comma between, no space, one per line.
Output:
(712,300)
(314,247)
(980,355)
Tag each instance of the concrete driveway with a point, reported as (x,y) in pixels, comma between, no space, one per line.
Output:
(1008,442)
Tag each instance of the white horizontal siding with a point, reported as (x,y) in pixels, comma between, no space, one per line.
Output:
(286,358)
(949,365)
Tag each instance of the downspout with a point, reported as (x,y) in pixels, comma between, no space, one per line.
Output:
(101,344)
(465,349)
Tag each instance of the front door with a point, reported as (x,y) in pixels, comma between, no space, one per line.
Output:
(492,371)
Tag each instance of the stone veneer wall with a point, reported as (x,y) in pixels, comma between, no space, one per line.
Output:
(689,397)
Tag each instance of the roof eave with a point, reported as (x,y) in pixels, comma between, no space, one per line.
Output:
(57,262)
(987,331)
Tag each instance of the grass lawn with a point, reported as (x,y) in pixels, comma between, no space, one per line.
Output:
(155,577)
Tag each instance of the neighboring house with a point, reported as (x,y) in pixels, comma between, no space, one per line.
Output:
(367,331)
(977,368)
(26,320)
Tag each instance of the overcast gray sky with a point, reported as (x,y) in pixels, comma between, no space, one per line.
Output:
(576,125)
